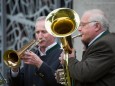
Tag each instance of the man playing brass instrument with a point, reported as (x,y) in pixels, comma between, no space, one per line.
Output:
(97,67)
(40,66)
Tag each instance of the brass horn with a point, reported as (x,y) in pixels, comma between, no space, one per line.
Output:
(12,57)
(62,22)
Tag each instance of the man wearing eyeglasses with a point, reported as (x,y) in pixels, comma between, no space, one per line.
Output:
(97,67)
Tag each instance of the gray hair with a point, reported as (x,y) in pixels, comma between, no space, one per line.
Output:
(40,19)
(99,16)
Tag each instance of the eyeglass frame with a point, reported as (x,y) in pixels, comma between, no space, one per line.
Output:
(84,24)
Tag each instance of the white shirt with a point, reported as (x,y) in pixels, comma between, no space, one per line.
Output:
(49,47)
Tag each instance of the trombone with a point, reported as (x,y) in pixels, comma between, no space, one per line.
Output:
(12,57)
(62,22)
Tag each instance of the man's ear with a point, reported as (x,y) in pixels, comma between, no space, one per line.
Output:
(97,26)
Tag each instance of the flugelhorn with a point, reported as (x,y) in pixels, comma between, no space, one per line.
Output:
(62,22)
(12,57)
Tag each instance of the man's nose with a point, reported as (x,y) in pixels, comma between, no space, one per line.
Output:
(79,28)
(40,34)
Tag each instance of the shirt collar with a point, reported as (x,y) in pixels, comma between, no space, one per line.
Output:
(96,38)
(47,48)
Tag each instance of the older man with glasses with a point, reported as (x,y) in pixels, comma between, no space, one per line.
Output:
(97,67)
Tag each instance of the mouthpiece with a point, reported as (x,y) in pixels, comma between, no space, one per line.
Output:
(79,35)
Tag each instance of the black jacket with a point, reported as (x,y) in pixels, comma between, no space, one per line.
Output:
(44,76)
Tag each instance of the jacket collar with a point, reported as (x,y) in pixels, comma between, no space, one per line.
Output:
(99,36)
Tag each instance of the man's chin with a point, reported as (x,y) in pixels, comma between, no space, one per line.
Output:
(84,42)
(42,45)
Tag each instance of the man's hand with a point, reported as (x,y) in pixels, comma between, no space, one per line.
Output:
(31,58)
(62,56)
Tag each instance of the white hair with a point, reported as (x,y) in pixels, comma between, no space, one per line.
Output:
(100,17)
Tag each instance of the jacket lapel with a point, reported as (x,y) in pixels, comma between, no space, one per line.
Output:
(88,48)
(105,33)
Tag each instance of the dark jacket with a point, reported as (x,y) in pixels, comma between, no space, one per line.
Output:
(44,76)
(97,67)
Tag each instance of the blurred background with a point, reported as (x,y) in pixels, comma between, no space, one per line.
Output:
(17,20)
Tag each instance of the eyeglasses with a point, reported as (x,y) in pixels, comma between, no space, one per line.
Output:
(84,24)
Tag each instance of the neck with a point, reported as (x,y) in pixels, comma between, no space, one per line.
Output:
(42,49)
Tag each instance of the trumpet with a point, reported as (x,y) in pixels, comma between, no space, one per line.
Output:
(12,57)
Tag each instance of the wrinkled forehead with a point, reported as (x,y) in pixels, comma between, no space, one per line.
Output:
(86,16)
(40,25)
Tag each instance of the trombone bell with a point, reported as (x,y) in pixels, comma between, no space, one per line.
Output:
(62,26)
(62,22)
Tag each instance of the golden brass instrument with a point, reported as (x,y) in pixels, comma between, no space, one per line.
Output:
(12,57)
(62,22)
(2,79)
